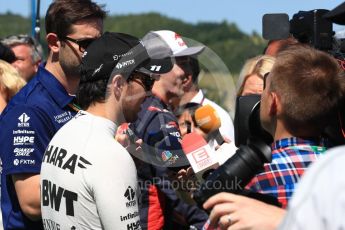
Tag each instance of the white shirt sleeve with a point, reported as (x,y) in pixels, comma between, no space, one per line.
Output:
(115,190)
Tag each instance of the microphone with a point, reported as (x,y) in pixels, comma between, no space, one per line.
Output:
(130,136)
(207,119)
(199,154)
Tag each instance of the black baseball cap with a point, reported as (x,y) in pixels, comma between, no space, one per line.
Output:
(337,15)
(119,53)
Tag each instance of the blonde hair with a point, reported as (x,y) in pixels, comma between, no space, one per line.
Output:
(10,79)
(259,65)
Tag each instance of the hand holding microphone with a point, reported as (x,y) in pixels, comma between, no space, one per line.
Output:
(126,137)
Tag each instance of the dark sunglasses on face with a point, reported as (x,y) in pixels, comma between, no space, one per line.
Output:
(146,80)
(82,43)
(265,78)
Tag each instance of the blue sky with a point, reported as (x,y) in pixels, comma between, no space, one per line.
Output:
(245,13)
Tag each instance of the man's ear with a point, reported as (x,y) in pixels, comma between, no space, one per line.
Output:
(117,83)
(53,41)
(187,81)
(36,65)
(275,104)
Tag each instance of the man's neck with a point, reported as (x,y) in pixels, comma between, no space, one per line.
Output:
(97,109)
(70,83)
(106,110)
(188,96)
(282,132)
(161,94)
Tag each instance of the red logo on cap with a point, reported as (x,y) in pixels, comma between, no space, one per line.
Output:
(180,42)
(177,36)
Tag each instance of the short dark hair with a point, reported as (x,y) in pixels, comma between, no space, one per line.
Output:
(309,83)
(91,92)
(191,107)
(191,66)
(62,14)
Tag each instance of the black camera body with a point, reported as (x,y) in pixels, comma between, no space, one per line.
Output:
(307,27)
(253,152)
(310,27)
(253,141)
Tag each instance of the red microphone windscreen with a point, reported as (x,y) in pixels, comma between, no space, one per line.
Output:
(207,118)
(192,141)
(199,154)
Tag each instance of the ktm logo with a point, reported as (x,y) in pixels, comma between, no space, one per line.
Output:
(129,194)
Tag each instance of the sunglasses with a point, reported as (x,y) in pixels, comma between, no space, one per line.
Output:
(144,79)
(82,43)
(265,78)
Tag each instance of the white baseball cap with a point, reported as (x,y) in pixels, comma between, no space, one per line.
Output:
(178,47)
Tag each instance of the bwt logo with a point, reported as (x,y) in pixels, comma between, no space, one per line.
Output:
(130,195)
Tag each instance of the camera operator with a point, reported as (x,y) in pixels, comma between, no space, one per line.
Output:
(300,95)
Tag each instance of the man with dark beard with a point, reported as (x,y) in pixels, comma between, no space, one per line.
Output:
(101,186)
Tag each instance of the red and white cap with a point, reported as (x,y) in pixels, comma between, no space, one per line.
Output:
(177,45)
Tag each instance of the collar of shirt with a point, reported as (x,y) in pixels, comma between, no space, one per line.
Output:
(100,122)
(295,141)
(199,97)
(156,99)
(54,87)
